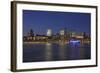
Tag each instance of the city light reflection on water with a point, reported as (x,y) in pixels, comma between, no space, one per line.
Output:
(48,50)
(75,42)
(55,52)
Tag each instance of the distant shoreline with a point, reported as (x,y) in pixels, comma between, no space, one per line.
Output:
(45,42)
(31,42)
(35,42)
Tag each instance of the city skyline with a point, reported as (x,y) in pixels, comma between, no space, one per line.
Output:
(41,21)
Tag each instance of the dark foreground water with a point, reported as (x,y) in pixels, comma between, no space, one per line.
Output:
(55,52)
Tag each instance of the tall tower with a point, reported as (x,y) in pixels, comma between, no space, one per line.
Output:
(31,32)
(49,32)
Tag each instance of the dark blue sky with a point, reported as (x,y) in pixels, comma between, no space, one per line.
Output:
(40,21)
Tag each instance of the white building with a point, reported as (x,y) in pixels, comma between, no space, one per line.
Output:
(73,34)
(62,32)
(49,32)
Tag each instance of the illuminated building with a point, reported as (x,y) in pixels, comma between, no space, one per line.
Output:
(49,32)
(62,32)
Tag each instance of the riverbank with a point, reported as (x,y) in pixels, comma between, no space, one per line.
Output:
(58,42)
(44,42)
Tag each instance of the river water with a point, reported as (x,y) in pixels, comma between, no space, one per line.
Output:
(55,52)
